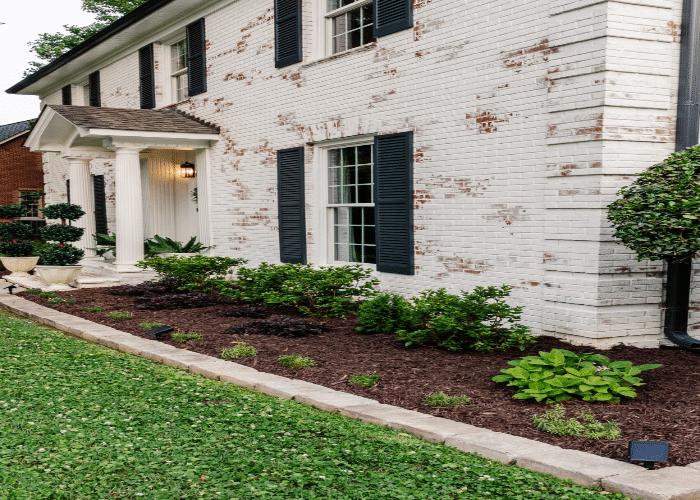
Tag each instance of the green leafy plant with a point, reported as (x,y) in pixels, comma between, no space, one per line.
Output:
(105,243)
(119,315)
(159,244)
(149,326)
(187,336)
(198,273)
(326,292)
(33,291)
(658,215)
(440,399)
(59,300)
(296,361)
(12,232)
(480,320)
(242,350)
(365,379)
(47,295)
(560,375)
(585,426)
(93,309)
(384,313)
(61,254)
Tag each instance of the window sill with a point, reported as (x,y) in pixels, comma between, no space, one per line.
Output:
(340,55)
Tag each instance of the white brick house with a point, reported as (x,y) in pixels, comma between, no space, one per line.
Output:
(525,119)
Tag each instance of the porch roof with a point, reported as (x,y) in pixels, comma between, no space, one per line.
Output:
(61,128)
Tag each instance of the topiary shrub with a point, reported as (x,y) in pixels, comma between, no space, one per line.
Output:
(56,255)
(61,254)
(658,215)
(480,320)
(56,232)
(12,232)
(385,313)
(63,211)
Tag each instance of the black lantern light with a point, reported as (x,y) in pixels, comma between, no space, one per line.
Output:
(186,170)
(649,452)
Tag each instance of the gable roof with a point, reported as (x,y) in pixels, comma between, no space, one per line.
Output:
(13,129)
(142,120)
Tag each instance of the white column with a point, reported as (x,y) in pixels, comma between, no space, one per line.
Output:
(81,193)
(202,166)
(129,209)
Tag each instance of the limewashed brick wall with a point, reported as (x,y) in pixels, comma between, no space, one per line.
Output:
(527,118)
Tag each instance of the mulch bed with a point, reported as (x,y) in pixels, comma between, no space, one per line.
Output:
(666,408)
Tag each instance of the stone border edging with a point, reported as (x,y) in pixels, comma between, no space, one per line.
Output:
(670,483)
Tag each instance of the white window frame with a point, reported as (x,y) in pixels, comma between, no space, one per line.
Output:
(169,95)
(40,205)
(323,217)
(323,41)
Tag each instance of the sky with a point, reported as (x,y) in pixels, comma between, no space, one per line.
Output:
(24,21)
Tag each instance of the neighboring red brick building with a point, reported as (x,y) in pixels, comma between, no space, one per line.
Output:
(20,169)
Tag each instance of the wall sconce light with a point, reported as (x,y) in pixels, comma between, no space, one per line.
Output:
(649,452)
(186,170)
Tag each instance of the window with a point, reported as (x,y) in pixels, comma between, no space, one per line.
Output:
(350,204)
(349,23)
(32,202)
(178,70)
(86,94)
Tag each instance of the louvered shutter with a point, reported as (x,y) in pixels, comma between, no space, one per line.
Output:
(146,77)
(95,89)
(393,209)
(68,196)
(290,193)
(66,97)
(287,32)
(391,16)
(98,183)
(196,58)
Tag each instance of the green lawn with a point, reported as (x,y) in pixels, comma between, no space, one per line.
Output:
(78,421)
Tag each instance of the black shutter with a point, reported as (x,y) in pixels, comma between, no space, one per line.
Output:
(287,32)
(290,196)
(66,97)
(196,58)
(98,183)
(68,196)
(393,209)
(95,89)
(391,16)
(146,77)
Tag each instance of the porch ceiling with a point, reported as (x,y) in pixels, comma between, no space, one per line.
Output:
(65,128)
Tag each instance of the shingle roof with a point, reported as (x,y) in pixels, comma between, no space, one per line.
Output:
(142,120)
(12,129)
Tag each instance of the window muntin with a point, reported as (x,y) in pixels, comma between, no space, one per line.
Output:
(351,24)
(178,70)
(350,201)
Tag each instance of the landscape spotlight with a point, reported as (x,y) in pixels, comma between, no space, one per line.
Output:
(157,332)
(649,452)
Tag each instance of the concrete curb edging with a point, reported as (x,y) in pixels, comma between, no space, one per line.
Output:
(670,483)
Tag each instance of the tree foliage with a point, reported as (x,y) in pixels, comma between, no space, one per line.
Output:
(49,46)
(658,215)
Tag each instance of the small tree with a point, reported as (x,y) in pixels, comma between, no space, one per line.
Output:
(61,254)
(12,232)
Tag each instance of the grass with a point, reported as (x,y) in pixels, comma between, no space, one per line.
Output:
(119,315)
(148,326)
(242,350)
(82,422)
(365,379)
(296,361)
(95,309)
(553,422)
(440,399)
(187,336)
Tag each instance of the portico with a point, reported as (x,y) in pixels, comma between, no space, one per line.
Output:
(146,146)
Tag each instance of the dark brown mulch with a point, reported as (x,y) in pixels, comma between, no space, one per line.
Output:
(666,408)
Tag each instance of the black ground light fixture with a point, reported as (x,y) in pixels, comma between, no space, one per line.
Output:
(649,452)
(157,332)
(186,170)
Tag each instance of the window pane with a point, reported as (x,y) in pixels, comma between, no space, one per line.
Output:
(334,157)
(364,174)
(356,215)
(364,194)
(348,156)
(364,154)
(355,19)
(369,235)
(355,234)
(369,216)
(355,38)
(370,255)
(355,253)
(340,25)
(368,34)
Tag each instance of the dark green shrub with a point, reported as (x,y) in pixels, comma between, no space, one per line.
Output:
(12,211)
(19,249)
(480,320)
(56,255)
(59,233)
(560,375)
(63,211)
(327,291)
(198,273)
(12,232)
(384,313)
(658,215)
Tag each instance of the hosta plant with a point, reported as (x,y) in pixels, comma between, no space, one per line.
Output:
(560,375)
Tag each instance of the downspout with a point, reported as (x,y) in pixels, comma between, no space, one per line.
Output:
(687,129)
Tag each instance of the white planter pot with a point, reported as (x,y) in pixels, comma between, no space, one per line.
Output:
(20,266)
(58,276)
(178,254)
